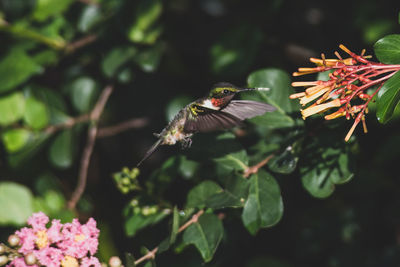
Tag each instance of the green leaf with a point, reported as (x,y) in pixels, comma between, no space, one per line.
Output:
(116,59)
(12,108)
(279,84)
(333,167)
(199,195)
(264,206)
(387,49)
(284,162)
(36,114)
(90,16)
(174,232)
(16,203)
(278,94)
(84,92)
(388,97)
(61,152)
(47,8)
(138,221)
(16,68)
(205,234)
(234,195)
(30,149)
(236,50)
(149,59)
(15,139)
(143,29)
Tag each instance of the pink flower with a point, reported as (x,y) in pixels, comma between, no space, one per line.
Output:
(54,232)
(28,237)
(49,256)
(90,261)
(79,239)
(38,221)
(19,262)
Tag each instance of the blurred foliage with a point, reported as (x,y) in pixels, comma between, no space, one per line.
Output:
(56,58)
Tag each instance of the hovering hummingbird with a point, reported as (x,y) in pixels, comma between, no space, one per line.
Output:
(216,111)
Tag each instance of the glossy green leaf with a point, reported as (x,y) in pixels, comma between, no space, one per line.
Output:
(15,68)
(61,152)
(143,28)
(84,92)
(16,203)
(15,139)
(36,114)
(199,195)
(136,222)
(90,16)
(116,59)
(264,206)
(12,108)
(205,234)
(47,8)
(234,192)
(285,162)
(333,167)
(388,98)
(235,50)
(387,49)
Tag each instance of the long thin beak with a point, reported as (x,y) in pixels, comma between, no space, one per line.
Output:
(255,89)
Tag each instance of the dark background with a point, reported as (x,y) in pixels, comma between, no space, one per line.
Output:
(359,225)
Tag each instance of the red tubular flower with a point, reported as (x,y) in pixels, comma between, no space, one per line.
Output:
(348,83)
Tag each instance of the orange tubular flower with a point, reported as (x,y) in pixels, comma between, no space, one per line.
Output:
(348,82)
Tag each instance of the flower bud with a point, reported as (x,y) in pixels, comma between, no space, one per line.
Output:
(3,260)
(13,240)
(30,259)
(2,249)
(115,262)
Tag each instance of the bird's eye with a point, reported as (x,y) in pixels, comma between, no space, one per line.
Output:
(226,91)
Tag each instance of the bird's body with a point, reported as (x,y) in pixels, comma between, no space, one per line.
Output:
(217,111)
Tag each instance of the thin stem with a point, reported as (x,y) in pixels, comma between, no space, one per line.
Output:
(123,126)
(254,169)
(88,150)
(152,254)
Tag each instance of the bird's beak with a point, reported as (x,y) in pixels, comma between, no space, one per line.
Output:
(254,89)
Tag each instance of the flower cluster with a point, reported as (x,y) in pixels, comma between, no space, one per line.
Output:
(346,88)
(66,245)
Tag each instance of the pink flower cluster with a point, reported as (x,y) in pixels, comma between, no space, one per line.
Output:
(67,245)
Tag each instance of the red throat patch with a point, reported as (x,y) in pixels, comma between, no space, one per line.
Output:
(218,102)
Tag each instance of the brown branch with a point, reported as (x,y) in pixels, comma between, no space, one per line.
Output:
(152,254)
(71,47)
(87,152)
(254,169)
(67,124)
(123,126)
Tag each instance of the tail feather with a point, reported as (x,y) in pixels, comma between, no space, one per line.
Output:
(150,151)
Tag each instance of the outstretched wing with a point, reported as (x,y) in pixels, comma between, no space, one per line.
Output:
(245,109)
(207,120)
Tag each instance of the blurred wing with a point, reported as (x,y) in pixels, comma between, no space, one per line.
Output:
(211,121)
(245,109)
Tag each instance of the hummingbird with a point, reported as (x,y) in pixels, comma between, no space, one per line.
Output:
(217,111)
